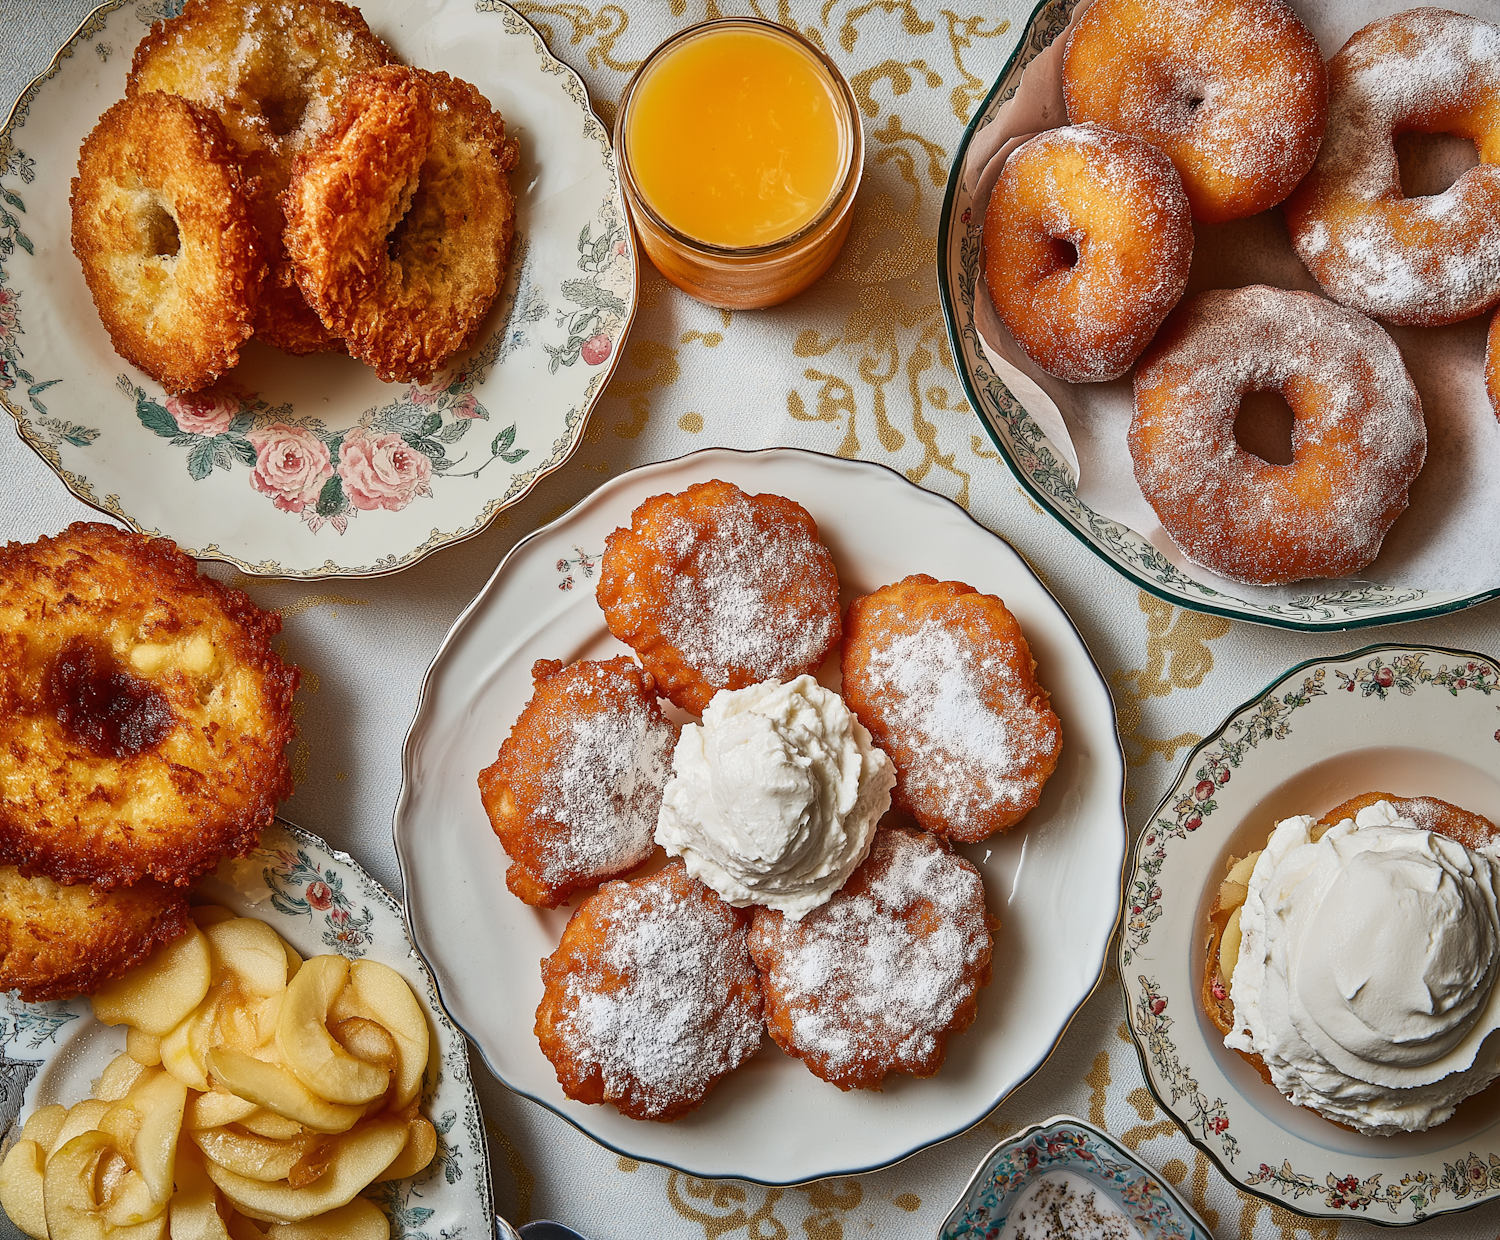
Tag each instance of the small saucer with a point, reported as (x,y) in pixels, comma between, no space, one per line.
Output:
(1065,1143)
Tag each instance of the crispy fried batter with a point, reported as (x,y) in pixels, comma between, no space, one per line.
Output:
(715,589)
(877,980)
(57,942)
(274,72)
(574,792)
(942,677)
(399,219)
(650,999)
(143,714)
(162,226)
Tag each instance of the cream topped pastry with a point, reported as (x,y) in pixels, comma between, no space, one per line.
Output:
(774,798)
(1367,967)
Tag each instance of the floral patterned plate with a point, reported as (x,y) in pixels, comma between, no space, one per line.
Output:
(1038,464)
(1412,721)
(1054,881)
(311,466)
(320,901)
(1066,1143)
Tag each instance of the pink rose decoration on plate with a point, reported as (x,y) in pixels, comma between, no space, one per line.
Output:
(426,393)
(382,471)
(291,465)
(203,413)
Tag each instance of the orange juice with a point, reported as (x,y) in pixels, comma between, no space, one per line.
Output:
(737,137)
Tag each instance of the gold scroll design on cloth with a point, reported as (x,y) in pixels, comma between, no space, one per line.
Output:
(1177,657)
(724,1207)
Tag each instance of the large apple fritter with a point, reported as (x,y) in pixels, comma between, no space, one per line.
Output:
(57,942)
(274,73)
(143,714)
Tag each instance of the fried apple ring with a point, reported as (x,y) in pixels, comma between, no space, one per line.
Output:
(274,73)
(162,226)
(650,999)
(143,714)
(942,677)
(399,219)
(715,589)
(57,942)
(876,980)
(574,792)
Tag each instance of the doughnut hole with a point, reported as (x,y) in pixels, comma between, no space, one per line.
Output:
(1235,94)
(1088,240)
(1263,427)
(1430,163)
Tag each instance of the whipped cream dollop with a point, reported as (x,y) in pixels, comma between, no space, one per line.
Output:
(1367,968)
(775,798)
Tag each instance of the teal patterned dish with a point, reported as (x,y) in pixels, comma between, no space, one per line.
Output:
(311,466)
(1064,1143)
(320,901)
(1039,466)
(1409,721)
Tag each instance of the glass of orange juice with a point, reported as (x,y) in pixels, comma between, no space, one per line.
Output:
(740,151)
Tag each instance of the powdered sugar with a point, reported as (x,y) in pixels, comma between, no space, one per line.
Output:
(871,981)
(669,1004)
(1426,260)
(1358,441)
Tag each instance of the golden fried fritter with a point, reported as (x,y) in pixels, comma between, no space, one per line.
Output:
(274,73)
(650,999)
(57,942)
(574,792)
(876,980)
(399,219)
(143,714)
(942,677)
(715,589)
(162,226)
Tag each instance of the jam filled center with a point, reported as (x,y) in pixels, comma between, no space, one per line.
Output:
(108,711)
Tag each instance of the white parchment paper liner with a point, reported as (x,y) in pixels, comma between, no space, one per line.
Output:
(1445,541)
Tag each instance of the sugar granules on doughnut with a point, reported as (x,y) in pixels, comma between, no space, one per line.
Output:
(875,981)
(1421,261)
(651,997)
(1358,439)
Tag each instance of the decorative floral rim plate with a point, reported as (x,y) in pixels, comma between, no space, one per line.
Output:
(1054,881)
(311,466)
(1040,468)
(1067,1143)
(320,901)
(1409,720)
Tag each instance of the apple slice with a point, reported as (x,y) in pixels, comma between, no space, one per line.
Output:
(82,1117)
(359,1220)
(302,1037)
(255,1158)
(157,995)
(184,1050)
(278,1090)
(215,1109)
(21,1191)
(361,1159)
(152,1115)
(251,952)
(264,1123)
(194,1212)
(68,1185)
(120,1075)
(421,1146)
(44,1125)
(144,1048)
(377,992)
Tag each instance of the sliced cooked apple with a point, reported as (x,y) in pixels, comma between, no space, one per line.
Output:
(377,992)
(157,1105)
(21,1188)
(194,1211)
(1229,947)
(278,1090)
(421,1146)
(361,1159)
(293,961)
(252,952)
(44,1125)
(144,1048)
(216,1108)
(69,1183)
(255,1158)
(241,1228)
(302,1036)
(264,1123)
(157,995)
(119,1076)
(359,1220)
(184,1050)
(82,1117)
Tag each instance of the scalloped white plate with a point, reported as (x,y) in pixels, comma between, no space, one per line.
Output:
(1408,720)
(1054,882)
(320,901)
(503,415)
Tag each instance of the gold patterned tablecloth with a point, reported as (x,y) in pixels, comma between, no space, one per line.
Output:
(858,366)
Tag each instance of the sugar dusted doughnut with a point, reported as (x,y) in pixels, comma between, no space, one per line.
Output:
(1415,261)
(1492,364)
(1087,239)
(1233,91)
(1358,439)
